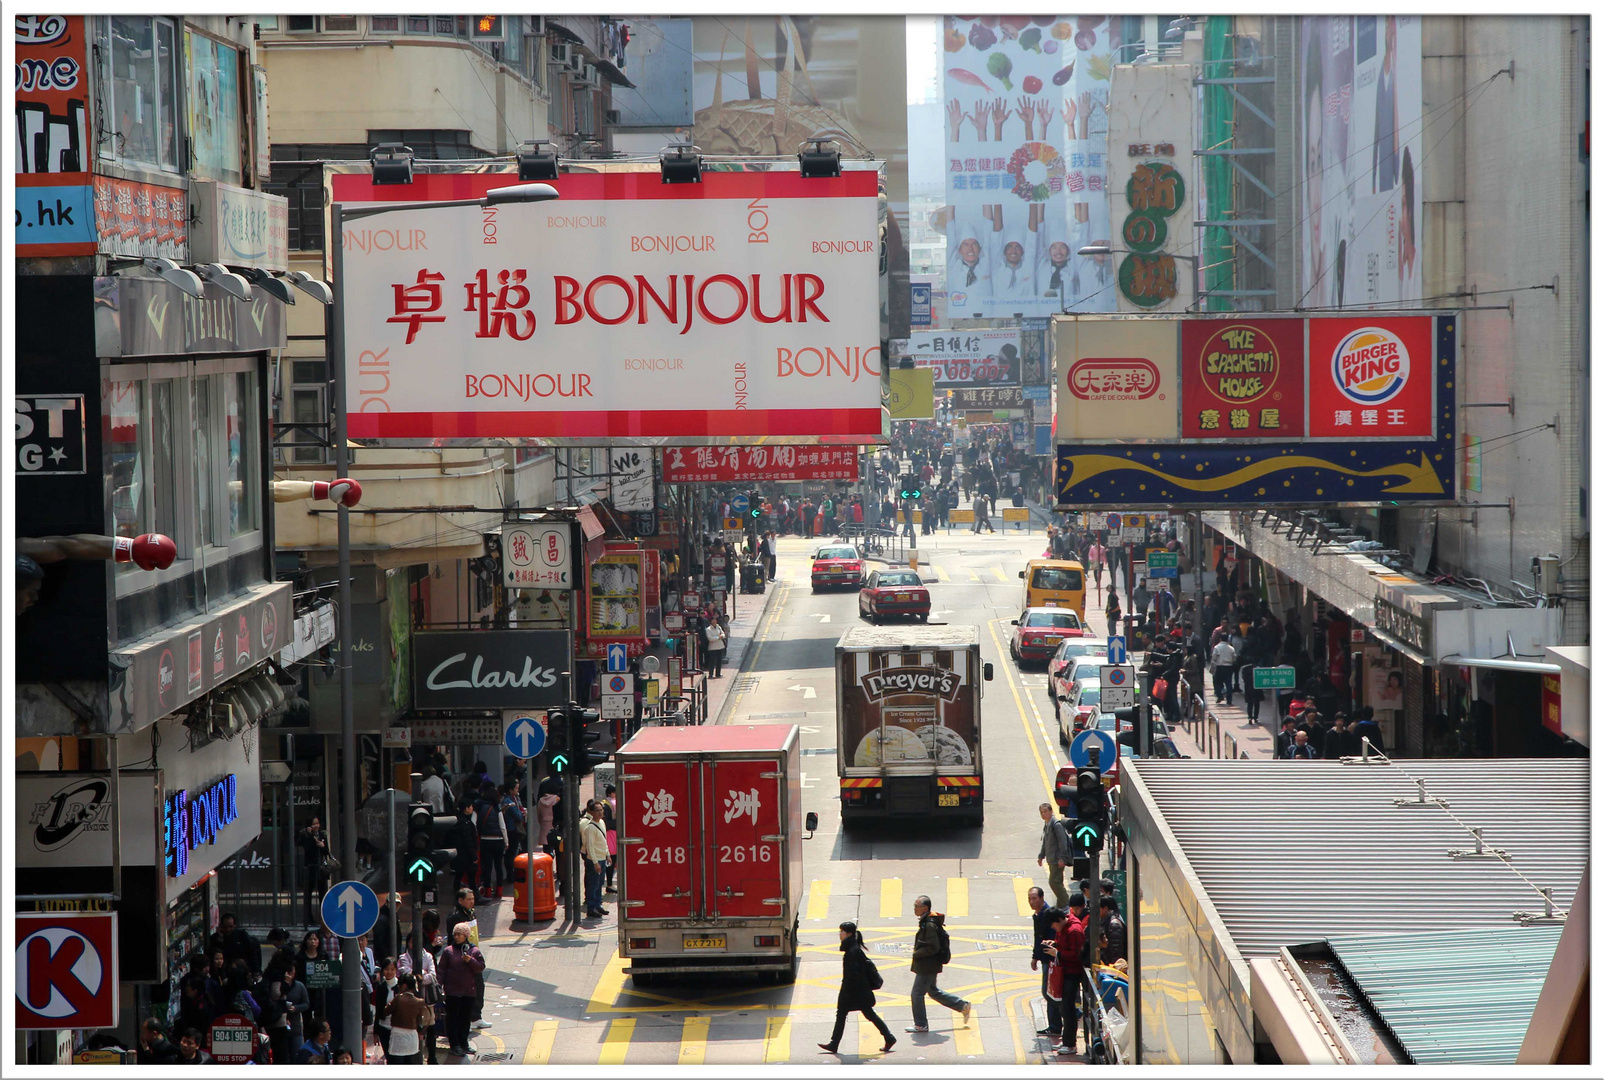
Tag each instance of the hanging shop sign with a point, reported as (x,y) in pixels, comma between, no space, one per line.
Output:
(912,395)
(538,556)
(239,227)
(968,358)
(50,434)
(141,220)
(615,597)
(758,464)
(634,490)
(1151,150)
(1367,417)
(489,669)
(631,310)
(991,397)
(148,317)
(67,975)
(55,212)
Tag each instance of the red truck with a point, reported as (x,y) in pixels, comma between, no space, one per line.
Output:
(710,828)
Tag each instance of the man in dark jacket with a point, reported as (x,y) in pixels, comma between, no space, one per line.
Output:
(1338,740)
(1042,929)
(927,966)
(1055,850)
(1114,932)
(154,1049)
(236,943)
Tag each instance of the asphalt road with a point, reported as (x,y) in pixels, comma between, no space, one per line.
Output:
(561,998)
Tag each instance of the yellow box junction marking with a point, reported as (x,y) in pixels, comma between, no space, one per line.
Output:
(617,1041)
(1022,903)
(693,1040)
(891,897)
(538,1051)
(777,1040)
(819,899)
(958,897)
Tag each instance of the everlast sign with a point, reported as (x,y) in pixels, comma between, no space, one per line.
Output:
(892,682)
(154,319)
(490,669)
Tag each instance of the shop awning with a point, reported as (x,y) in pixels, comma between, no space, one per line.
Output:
(1394,643)
(1536,667)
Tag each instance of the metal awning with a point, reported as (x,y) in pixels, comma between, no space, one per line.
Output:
(1534,667)
(1398,646)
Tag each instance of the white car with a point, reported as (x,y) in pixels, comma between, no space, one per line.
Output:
(1081,710)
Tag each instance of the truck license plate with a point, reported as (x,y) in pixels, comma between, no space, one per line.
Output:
(705,942)
(947,800)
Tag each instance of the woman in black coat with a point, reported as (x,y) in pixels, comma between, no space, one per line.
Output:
(858,990)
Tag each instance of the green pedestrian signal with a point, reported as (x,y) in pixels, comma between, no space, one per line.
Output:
(1087,835)
(421,871)
(559,763)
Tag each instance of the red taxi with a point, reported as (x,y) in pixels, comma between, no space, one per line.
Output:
(837,564)
(1038,631)
(894,592)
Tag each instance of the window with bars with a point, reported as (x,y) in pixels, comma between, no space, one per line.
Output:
(297,176)
(385,24)
(435,144)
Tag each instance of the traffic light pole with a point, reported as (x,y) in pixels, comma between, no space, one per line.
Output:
(529,836)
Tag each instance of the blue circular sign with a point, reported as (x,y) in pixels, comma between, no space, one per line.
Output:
(739,504)
(1117,677)
(524,738)
(350,909)
(1108,751)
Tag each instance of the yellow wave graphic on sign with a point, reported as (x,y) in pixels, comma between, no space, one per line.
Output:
(1415,479)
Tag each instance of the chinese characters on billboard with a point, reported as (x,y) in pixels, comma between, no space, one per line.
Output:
(758,464)
(1242,380)
(968,358)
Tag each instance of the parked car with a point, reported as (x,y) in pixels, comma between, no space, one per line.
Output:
(1063,686)
(1081,707)
(894,592)
(837,564)
(1038,631)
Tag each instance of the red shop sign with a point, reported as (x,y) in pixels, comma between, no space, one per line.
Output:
(1371,378)
(1241,379)
(766,464)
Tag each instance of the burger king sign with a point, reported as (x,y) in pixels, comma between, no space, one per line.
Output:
(1371,378)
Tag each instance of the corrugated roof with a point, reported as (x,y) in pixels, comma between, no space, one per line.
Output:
(1298,851)
(1462,997)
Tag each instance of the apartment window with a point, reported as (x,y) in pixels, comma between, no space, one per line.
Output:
(418,24)
(309,380)
(385,24)
(205,461)
(127,437)
(339,24)
(139,90)
(437,144)
(301,24)
(164,429)
(243,431)
(297,176)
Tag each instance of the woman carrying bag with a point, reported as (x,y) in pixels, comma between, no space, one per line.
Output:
(860,980)
(409,1017)
(1112,611)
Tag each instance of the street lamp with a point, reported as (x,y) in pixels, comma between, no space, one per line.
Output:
(350,977)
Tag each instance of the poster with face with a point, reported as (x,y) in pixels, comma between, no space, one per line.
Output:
(1026,137)
(1361,140)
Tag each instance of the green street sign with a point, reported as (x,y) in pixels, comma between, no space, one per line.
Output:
(1273,678)
(1163,558)
(323,974)
(421,871)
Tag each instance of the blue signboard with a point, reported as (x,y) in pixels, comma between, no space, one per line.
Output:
(350,909)
(618,657)
(919,314)
(1204,474)
(524,738)
(1117,649)
(738,505)
(1044,440)
(51,216)
(1108,752)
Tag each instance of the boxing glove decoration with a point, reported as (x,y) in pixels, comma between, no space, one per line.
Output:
(152,551)
(342,491)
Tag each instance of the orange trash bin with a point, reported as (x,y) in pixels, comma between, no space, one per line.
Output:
(545,896)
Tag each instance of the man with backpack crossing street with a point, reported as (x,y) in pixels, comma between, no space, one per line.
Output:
(932,950)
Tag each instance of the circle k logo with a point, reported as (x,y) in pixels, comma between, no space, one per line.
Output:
(1370,366)
(58,973)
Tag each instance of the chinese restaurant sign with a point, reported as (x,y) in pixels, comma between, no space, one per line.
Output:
(1309,410)
(758,464)
(968,357)
(630,310)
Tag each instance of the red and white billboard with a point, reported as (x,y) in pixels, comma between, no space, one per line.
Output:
(758,464)
(67,974)
(1371,378)
(1242,378)
(629,310)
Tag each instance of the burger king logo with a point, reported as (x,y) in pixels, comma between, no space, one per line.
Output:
(1370,366)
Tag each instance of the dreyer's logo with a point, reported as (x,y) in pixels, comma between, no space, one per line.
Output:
(890,682)
(1370,366)
(1123,378)
(79,807)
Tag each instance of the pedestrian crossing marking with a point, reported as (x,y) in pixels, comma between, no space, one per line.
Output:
(538,1051)
(694,1040)
(819,900)
(1022,901)
(941,574)
(891,897)
(617,1041)
(958,897)
(869,1040)
(967,1038)
(998,570)
(974,576)
(777,1040)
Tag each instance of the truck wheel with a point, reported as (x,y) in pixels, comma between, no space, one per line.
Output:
(789,976)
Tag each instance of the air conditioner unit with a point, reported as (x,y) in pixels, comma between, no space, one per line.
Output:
(593,77)
(561,53)
(576,62)
(612,116)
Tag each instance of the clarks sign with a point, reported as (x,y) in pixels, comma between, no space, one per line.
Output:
(892,682)
(490,669)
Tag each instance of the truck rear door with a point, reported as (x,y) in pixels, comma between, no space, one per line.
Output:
(656,839)
(746,839)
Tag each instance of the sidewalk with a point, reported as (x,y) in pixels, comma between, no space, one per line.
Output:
(1232,731)
(750,613)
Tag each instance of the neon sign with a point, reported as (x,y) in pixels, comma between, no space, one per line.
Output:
(191,821)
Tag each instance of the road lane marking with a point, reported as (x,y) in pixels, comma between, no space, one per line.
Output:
(967,1038)
(538,1051)
(617,1041)
(693,1040)
(1022,885)
(941,573)
(998,570)
(759,635)
(819,900)
(609,987)
(869,1040)
(777,1040)
(891,897)
(1020,706)
(958,897)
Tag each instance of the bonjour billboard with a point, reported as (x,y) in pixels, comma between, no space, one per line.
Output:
(1232,410)
(629,310)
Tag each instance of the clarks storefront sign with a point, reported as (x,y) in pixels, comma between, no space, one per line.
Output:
(490,669)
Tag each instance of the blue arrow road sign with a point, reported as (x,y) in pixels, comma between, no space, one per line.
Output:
(618,658)
(739,505)
(1117,649)
(524,738)
(350,908)
(1107,750)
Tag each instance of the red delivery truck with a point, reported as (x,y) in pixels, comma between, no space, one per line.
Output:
(710,851)
(908,724)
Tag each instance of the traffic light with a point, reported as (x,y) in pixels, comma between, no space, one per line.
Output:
(755,505)
(911,489)
(559,753)
(1091,811)
(420,829)
(581,738)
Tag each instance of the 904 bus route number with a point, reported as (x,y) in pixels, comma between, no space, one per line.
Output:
(659,855)
(745,853)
